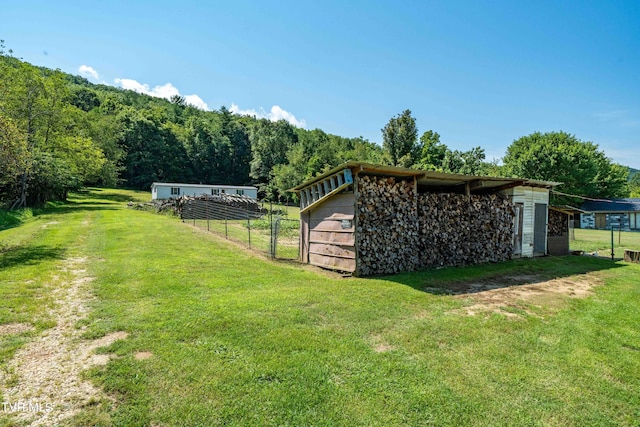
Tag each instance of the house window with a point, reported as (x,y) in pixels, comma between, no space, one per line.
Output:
(240,192)
(215,191)
(222,191)
(175,191)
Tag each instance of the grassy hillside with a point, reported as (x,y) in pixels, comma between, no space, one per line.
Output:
(220,336)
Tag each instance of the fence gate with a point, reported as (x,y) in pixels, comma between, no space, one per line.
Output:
(285,238)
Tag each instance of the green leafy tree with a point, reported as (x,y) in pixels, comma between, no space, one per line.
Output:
(558,156)
(270,142)
(634,185)
(400,140)
(154,153)
(84,98)
(235,132)
(469,162)
(433,152)
(14,158)
(37,103)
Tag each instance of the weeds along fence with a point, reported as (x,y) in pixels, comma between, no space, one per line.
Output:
(244,220)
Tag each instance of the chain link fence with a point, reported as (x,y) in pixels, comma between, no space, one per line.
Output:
(259,226)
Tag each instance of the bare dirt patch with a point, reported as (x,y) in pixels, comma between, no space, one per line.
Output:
(379,345)
(46,372)
(143,355)
(512,295)
(15,328)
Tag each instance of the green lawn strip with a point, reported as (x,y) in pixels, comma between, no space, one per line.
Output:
(239,340)
(32,254)
(600,241)
(259,239)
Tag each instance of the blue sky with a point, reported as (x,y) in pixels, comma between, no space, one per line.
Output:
(478,73)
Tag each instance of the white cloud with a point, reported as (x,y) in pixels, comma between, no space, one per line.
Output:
(165,91)
(196,101)
(87,71)
(276,113)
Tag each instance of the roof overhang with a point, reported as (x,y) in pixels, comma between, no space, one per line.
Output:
(566,209)
(177,184)
(432,180)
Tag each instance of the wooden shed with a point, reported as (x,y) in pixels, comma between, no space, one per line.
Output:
(373,219)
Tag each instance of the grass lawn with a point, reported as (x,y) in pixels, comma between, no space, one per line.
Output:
(600,241)
(236,339)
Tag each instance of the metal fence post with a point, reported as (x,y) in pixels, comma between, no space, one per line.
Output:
(226,228)
(248,224)
(275,236)
(619,231)
(612,253)
(206,200)
(271,248)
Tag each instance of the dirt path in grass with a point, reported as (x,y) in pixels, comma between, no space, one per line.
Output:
(511,295)
(42,385)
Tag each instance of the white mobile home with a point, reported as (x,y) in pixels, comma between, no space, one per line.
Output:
(168,190)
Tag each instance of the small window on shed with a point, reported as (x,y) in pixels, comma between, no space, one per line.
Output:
(175,191)
(214,191)
(240,192)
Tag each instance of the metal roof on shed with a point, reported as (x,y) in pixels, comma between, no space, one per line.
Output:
(431,179)
(176,184)
(613,205)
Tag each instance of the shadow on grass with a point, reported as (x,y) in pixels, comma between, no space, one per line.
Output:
(90,194)
(479,278)
(10,219)
(28,255)
(109,194)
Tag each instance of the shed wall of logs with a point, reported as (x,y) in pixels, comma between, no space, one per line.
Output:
(399,230)
(558,223)
(558,233)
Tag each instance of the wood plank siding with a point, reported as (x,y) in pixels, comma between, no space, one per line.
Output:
(529,197)
(329,234)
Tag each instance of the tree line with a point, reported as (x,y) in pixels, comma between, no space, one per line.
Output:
(580,166)
(59,132)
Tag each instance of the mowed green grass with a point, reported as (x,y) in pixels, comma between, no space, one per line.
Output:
(600,241)
(237,339)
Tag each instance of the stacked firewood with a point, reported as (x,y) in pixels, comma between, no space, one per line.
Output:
(165,205)
(401,231)
(459,230)
(558,223)
(387,226)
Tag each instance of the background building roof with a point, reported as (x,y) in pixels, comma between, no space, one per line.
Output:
(613,205)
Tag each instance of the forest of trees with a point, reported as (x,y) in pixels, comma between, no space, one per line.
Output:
(59,132)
